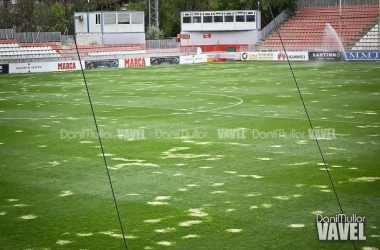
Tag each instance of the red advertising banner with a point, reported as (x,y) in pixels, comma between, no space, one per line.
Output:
(185,36)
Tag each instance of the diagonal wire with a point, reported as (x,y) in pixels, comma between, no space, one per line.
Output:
(307,114)
(100,140)
(101,144)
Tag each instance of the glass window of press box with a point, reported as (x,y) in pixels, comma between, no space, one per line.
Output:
(207,19)
(218,18)
(197,19)
(229,19)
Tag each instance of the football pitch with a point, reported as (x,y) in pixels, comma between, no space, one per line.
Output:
(208,156)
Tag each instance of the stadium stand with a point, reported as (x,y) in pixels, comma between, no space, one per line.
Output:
(101,50)
(370,41)
(10,49)
(306,30)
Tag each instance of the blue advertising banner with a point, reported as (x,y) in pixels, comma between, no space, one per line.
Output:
(363,56)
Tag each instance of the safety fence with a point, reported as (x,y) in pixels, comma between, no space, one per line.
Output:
(38,37)
(7,34)
(324,3)
(272,25)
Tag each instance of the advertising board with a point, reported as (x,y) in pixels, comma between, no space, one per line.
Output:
(43,67)
(137,62)
(275,56)
(293,56)
(326,56)
(193,59)
(363,56)
(4,68)
(164,60)
(101,64)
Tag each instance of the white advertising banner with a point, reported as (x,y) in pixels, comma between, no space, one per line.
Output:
(137,62)
(292,55)
(275,56)
(257,56)
(193,59)
(33,67)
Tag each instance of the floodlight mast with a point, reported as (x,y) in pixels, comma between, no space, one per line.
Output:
(153,13)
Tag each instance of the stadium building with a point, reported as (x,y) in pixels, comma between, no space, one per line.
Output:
(348,31)
(219,30)
(120,27)
(103,148)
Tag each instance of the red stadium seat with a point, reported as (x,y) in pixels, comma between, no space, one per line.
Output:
(306,29)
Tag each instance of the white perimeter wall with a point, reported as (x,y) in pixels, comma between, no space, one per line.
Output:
(34,67)
(193,59)
(85,39)
(124,38)
(43,67)
(275,56)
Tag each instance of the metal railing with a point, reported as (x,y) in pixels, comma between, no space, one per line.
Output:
(267,29)
(279,19)
(7,34)
(38,37)
(323,3)
(162,44)
(67,40)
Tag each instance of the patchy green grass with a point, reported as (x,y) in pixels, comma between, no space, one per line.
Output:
(188,193)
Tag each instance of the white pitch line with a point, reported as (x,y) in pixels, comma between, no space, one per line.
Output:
(115,105)
(226,107)
(85,118)
(292,118)
(204,111)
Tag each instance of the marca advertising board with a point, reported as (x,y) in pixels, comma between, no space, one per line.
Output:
(43,67)
(137,62)
(34,67)
(193,59)
(326,56)
(275,56)
(4,68)
(363,56)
